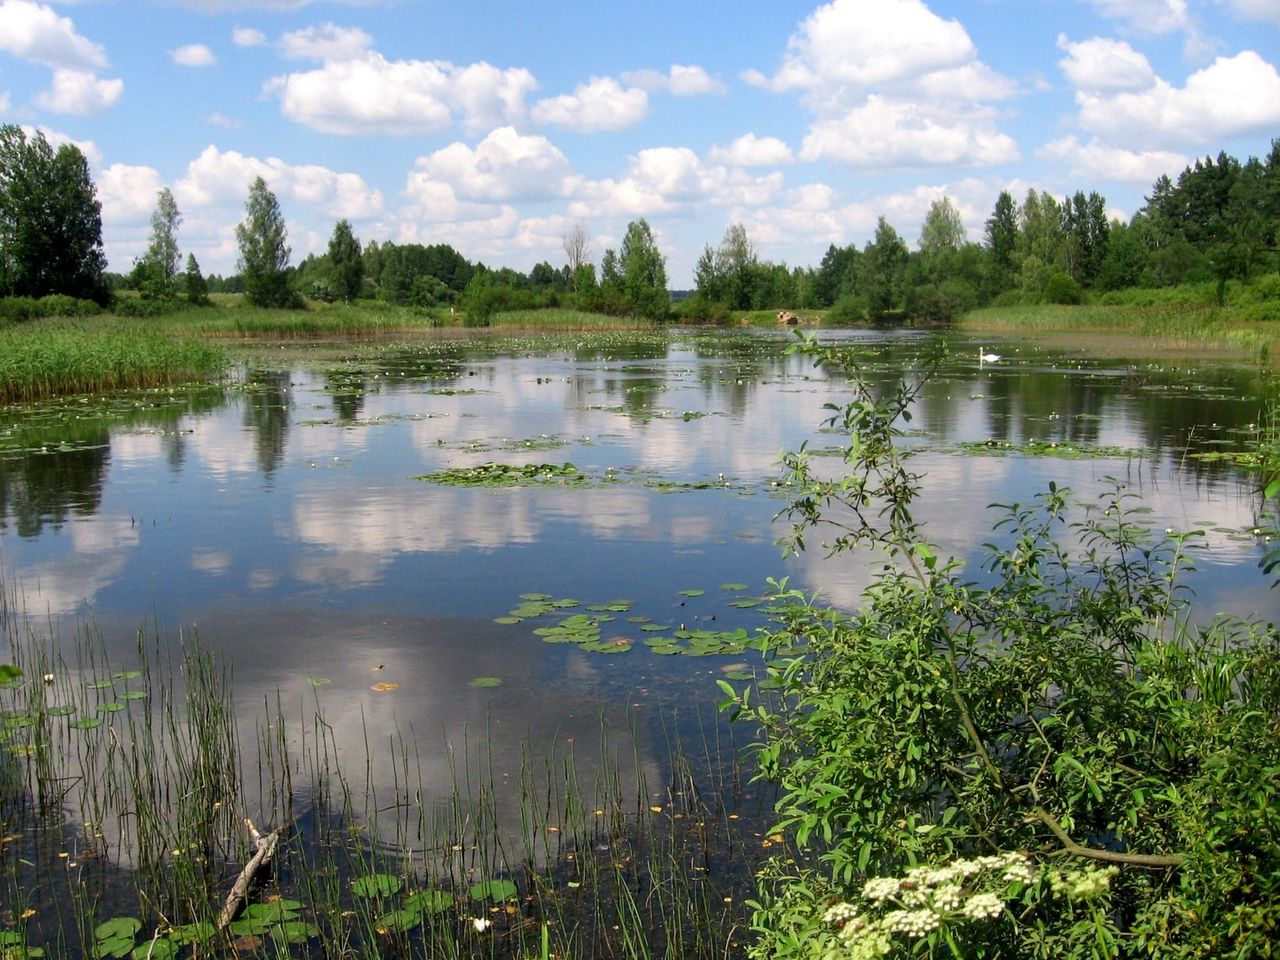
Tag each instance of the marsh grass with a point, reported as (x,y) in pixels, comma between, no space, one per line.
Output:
(135,811)
(1170,325)
(564,320)
(89,356)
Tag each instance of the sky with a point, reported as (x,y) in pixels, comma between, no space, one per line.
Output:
(497,125)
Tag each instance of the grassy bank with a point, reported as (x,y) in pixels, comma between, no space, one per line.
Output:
(54,357)
(1182,327)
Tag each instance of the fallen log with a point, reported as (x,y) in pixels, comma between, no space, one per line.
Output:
(264,849)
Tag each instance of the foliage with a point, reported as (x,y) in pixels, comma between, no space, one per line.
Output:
(1067,707)
(264,250)
(50,220)
(643,272)
(156,272)
(195,287)
(346,263)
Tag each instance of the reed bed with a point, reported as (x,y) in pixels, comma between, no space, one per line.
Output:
(1189,326)
(84,357)
(564,320)
(123,793)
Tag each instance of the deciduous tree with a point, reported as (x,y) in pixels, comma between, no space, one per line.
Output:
(264,250)
(346,261)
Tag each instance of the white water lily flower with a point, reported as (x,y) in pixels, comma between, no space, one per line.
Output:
(481,924)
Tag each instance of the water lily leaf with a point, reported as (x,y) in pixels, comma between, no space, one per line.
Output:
(295,931)
(692,593)
(115,706)
(376,885)
(9,672)
(273,911)
(429,901)
(64,711)
(656,627)
(160,948)
(486,682)
(496,890)
(508,619)
(384,687)
(398,921)
(318,681)
(117,927)
(86,723)
(535,596)
(733,587)
(197,932)
(134,695)
(126,675)
(113,947)
(19,721)
(100,684)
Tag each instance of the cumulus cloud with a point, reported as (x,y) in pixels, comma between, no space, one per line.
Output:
(1101,64)
(222,120)
(325,42)
(504,166)
(128,193)
(370,94)
(1231,97)
(223,177)
(248,37)
(680,81)
(664,179)
(889,132)
(80,93)
(1098,161)
(892,83)
(35,32)
(193,55)
(57,138)
(1147,16)
(600,104)
(752,151)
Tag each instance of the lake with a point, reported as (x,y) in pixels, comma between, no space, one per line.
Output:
(288,520)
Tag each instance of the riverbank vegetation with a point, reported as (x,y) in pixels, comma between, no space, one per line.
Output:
(1053,755)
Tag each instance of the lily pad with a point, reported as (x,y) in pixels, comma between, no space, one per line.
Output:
(115,706)
(486,682)
(496,890)
(376,885)
(398,921)
(429,901)
(694,592)
(86,723)
(63,711)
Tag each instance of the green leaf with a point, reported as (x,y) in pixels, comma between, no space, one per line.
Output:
(117,927)
(376,885)
(429,901)
(398,921)
(496,890)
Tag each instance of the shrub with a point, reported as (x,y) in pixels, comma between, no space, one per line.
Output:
(140,308)
(699,309)
(848,310)
(1060,288)
(61,305)
(1055,762)
(18,309)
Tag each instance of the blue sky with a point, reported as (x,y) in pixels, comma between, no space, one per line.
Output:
(496,125)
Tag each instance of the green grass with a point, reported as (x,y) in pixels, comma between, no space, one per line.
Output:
(1242,328)
(561,319)
(52,357)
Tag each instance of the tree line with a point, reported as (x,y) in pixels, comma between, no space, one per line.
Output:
(1215,223)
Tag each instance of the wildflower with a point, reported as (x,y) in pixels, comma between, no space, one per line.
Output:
(982,906)
(946,899)
(878,888)
(840,913)
(481,924)
(914,923)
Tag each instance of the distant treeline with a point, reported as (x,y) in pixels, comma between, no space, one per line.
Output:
(1215,224)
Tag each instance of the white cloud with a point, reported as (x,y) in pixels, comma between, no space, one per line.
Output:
(248,37)
(57,138)
(325,42)
(600,104)
(218,177)
(1231,97)
(891,84)
(221,120)
(665,179)
(752,151)
(893,133)
(680,81)
(374,95)
(79,93)
(1257,9)
(34,32)
(1101,64)
(504,166)
(128,193)
(1097,161)
(859,44)
(193,55)
(1147,16)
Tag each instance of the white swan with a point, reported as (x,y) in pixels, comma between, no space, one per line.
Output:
(984,357)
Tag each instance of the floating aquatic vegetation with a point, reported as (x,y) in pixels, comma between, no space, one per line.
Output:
(486,682)
(508,475)
(1066,449)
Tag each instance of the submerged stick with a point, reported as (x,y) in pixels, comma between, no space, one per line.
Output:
(264,849)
